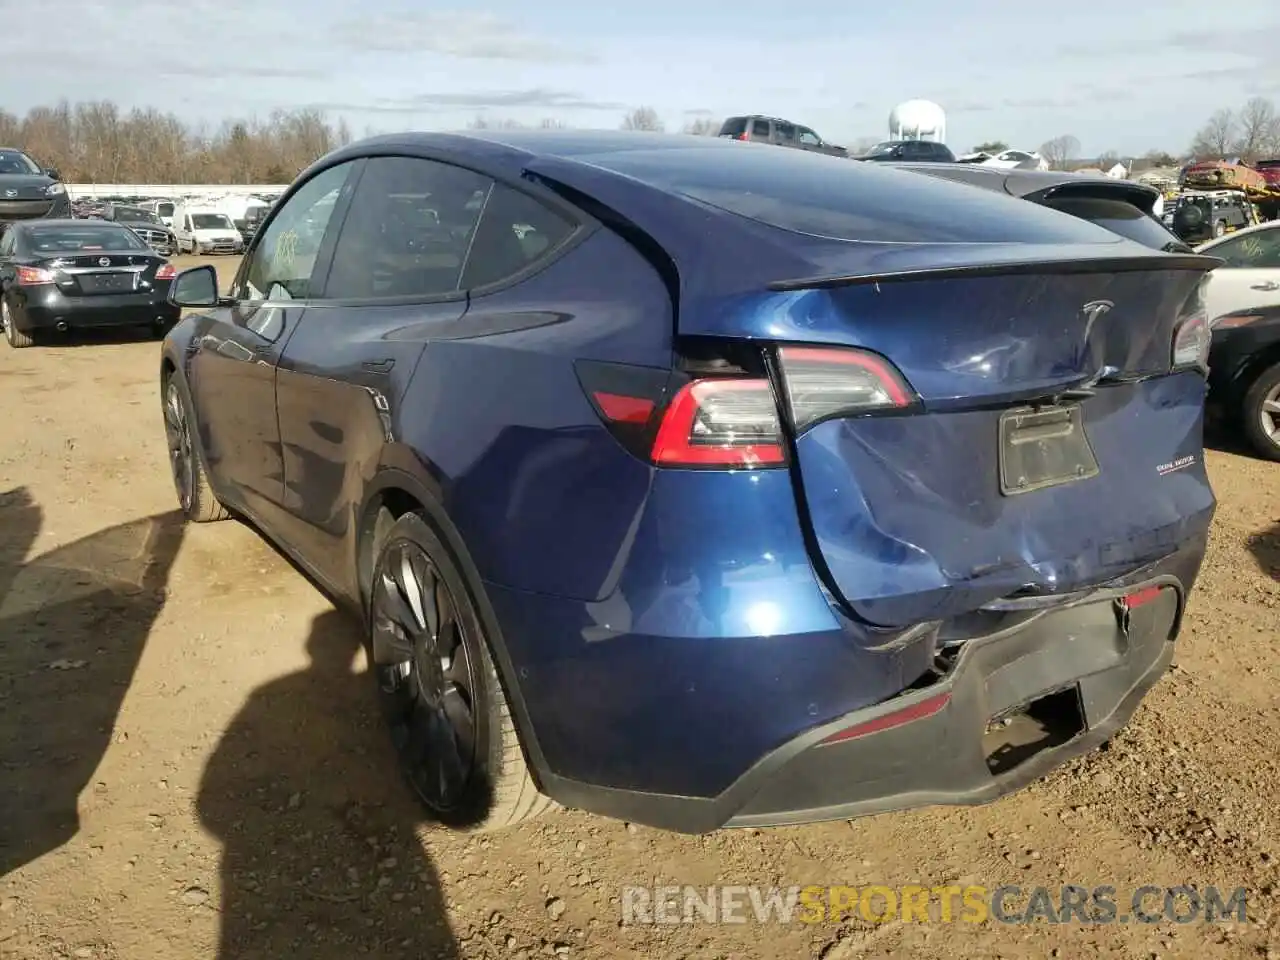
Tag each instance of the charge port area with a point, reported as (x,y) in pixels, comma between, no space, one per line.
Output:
(1019,734)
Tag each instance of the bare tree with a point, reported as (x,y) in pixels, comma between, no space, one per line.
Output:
(1059,150)
(991,146)
(702,127)
(551,123)
(1108,159)
(1259,129)
(643,118)
(1215,139)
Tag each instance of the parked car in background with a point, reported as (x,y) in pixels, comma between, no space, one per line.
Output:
(781,133)
(29,191)
(571,498)
(145,224)
(163,209)
(1244,375)
(918,151)
(60,275)
(1122,206)
(1250,273)
(1201,216)
(1017,160)
(205,230)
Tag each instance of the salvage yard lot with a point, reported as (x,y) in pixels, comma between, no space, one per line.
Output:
(191,764)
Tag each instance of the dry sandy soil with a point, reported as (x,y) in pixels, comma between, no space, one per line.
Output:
(191,764)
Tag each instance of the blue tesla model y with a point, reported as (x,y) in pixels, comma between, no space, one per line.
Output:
(702,483)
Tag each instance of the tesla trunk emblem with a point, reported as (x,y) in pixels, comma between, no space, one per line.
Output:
(1093,311)
(11,193)
(104,261)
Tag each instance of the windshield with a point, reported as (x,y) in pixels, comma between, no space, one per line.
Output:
(13,162)
(83,239)
(880,149)
(211,221)
(126,215)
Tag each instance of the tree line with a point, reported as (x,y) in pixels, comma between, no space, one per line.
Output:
(97,142)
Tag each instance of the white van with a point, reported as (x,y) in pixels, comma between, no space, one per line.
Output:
(205,230)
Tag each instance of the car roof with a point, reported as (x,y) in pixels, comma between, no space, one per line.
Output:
(63,222)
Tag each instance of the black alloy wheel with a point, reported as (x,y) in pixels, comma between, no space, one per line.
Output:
(177,433)
(427,662)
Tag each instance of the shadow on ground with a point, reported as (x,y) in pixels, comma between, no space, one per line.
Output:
(1265,547)
(73,623)
(320,856)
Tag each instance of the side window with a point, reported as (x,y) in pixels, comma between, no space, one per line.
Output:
(408,230)
(786,132)
(760,129)
(1255,251)
(286,251)
(515,231)
(6,241)
(808,137)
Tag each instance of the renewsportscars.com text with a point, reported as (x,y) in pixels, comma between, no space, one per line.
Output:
(1009,904)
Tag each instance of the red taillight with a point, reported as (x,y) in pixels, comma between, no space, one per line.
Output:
(887,721)
(618,408)
(1191,335)
(824,382)
(743,136)
(167,271)
(721,423)
(33,276)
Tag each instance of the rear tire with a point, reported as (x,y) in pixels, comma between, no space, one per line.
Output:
(1260,413)
(12,335)
(440,693)
(196,498)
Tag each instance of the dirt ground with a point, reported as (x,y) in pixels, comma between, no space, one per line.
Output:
(191,765)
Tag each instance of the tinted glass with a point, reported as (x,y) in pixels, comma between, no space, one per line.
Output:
(881,149)
(86,239)
(286,251)
(211,221)
(1255,251)
(408,230)
(786,131)
(13,162)
(734,127)
(515,232)
(760,128)
(126,215)
(942,152)
(807,136)
(165,209)
(824,196)
(1122,218)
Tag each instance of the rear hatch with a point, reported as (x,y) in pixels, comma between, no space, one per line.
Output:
(979,397)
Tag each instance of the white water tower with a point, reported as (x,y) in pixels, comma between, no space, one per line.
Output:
(918,120)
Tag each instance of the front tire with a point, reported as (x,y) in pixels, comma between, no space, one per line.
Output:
(1261,413)
(12,335)
(195,496)
(439,689)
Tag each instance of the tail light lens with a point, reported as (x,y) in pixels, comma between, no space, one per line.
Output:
(1191,336)
(822,383)
(167,271)
(33,276)
(721,422)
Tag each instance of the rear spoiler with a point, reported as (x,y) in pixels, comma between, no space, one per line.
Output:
(1006,269)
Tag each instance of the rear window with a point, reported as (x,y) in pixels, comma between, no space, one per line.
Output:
(733,127)
(822,196)
(82,239)
(1122,218)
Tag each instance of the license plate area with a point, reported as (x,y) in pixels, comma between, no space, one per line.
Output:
(108,282)
(1044,447)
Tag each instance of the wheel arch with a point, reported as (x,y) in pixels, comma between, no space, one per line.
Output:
(403,484)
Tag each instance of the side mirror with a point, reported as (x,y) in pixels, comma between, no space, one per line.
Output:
(52,173)
(196,287)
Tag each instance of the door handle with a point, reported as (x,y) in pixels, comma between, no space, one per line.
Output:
(378,366)
(1268,285)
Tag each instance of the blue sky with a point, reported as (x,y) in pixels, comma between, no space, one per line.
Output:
(1126,76)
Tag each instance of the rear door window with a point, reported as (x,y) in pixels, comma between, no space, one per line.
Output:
(760,129)
(408,230)
(786,132)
